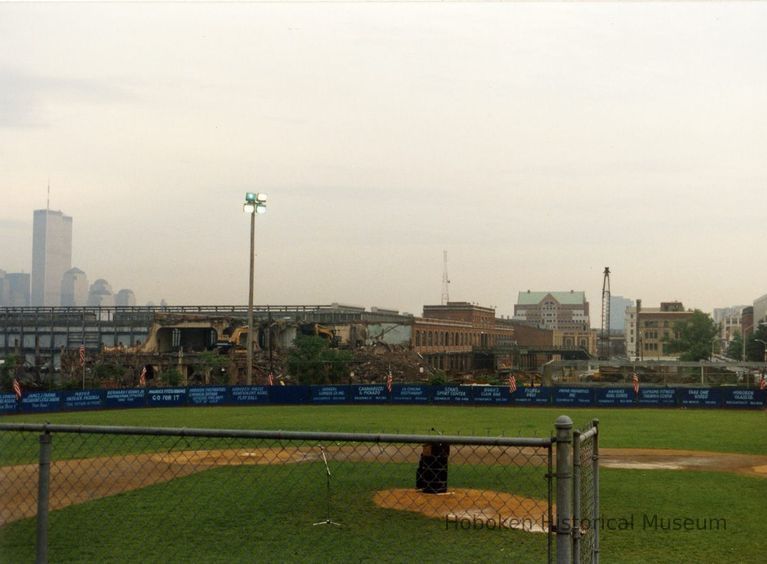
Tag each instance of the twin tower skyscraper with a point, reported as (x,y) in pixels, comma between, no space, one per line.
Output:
(51,257)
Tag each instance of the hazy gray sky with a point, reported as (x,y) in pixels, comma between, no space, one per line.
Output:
(535,143)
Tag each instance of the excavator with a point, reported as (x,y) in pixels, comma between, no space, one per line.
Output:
(236,339)
(317,330)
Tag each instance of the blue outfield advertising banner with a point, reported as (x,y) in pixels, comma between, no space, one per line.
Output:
(734,397)
(532,396)
(35,402)
(491,395)
(289,394)
(410,393)
(370,393)
(657,397)
(40,401)
(247,395)
(83,399)
(452,394)
(615,397)
(166,397)
(208,395)
(8,403)
(698,397)
(128,397)
(330,394)
(574,397)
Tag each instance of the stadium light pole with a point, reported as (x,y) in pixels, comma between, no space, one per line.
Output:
(254,203)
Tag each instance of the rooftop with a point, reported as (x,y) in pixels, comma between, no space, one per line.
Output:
(565,298)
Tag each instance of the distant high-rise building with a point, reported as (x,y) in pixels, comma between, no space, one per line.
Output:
(721,313)
(17,289)
(760,309)
(729,320)
(100,294)
(51,255)
(2,287)
(74,288)
(618,307)
(125,297)
(747,321)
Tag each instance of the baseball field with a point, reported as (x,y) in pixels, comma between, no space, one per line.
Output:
(676,486)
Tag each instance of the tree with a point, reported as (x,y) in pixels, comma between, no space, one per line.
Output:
(212,364)
(735,347)
(171,376)
(754,346)
(312,361)
(695,336)
(103,372)
(8,370)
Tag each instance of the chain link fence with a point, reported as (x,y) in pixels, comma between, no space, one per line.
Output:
(71,493)
(586,494)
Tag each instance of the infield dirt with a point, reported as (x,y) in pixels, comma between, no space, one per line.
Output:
(79,481)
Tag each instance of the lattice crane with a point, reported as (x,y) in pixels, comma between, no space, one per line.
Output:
(445,280)
(604,337)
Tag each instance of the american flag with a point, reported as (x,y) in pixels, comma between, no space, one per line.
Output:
(271,379)
(17,388)
(142,378)
(389,381)
(512,384)
(635,381)
(82,355)
(763,383)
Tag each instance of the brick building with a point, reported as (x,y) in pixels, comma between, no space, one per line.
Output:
(461,336)
(452,337)
(656,325)
(585,339)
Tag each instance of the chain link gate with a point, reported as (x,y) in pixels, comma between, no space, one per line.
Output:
(125,494)
(586,495)
(577,521)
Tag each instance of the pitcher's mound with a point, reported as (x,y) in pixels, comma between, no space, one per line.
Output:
(467,508)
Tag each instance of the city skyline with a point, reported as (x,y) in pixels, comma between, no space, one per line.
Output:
(536,144)
(126,296)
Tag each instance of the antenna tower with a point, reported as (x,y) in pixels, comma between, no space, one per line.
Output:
(604,337)
(445,280)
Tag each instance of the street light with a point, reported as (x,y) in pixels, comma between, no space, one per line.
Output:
(745,336)
(764,345)
(255,203)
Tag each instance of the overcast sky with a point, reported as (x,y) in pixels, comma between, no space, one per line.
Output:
(537,144)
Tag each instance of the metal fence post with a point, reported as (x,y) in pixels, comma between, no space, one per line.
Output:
(549,511)
(564,426)
(43,489)
(576,524)
(595,465)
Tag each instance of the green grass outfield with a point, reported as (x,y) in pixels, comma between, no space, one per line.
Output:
(718,430)
(282,505)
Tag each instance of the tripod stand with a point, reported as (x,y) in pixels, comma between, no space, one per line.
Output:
(328,520)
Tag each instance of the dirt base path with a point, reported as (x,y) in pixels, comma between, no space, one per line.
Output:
(78,481)
(670,459)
